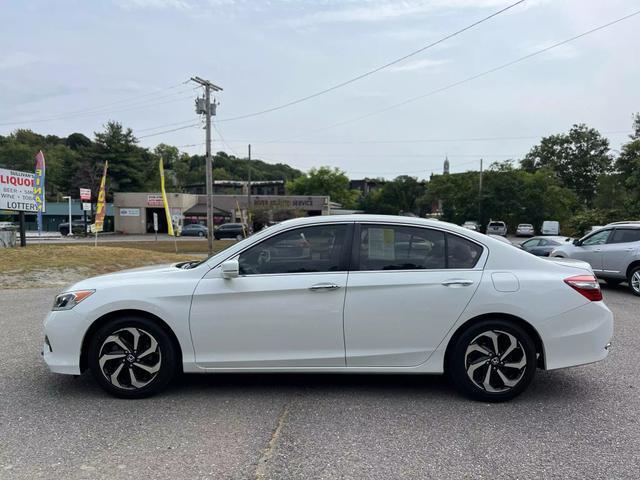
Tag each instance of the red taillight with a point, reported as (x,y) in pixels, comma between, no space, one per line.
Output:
(587,285)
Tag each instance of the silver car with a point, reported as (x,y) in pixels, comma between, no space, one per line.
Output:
(613,252)
(497,227)
(525,230)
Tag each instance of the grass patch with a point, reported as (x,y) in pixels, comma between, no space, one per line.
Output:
(57,265)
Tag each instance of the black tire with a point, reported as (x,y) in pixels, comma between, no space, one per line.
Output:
(613,282)
(634,279)
(459,361)
(164,357)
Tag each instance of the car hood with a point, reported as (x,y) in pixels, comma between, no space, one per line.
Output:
(130,276)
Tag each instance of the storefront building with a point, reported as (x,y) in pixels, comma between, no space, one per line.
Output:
(134,211)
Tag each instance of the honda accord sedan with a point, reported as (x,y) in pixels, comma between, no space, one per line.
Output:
(349,294)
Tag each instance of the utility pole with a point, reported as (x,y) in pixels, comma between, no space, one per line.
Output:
(204,106)
(480,197)
(248,184)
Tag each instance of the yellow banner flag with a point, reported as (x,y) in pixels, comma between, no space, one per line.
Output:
(164,201)
(101,205)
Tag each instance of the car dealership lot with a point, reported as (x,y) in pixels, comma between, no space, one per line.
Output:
(577,423)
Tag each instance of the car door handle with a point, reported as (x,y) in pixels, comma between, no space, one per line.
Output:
(324,286)
(457,282)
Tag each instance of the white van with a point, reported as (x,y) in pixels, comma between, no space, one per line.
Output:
(550,227)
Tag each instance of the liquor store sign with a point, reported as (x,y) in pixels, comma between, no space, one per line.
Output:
(16,191)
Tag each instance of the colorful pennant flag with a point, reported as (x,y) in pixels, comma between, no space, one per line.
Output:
(38,188)
(165,202)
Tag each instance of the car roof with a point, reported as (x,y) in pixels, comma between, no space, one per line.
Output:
(630,223)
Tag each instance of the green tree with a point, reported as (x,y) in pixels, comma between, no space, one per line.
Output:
(399,196)
(628,167)
(578,159)
(325,181)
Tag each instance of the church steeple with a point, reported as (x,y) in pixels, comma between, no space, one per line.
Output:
(446,165)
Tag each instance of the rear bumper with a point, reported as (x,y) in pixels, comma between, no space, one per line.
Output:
(577,337)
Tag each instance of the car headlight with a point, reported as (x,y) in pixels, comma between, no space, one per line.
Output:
(68,300)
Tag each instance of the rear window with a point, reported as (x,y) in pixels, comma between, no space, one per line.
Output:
(496,224)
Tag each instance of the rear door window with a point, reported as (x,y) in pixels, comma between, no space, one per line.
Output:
(390,247)
(625,235)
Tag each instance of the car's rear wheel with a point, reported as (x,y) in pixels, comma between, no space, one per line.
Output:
(492,361)
(132,357)
(634,281)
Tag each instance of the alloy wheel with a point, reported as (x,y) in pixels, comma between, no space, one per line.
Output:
(635,281)
(495,361)
(130,358)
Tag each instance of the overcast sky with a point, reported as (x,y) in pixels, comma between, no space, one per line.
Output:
(71,65)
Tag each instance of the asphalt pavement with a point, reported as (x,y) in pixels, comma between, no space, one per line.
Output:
(578,423)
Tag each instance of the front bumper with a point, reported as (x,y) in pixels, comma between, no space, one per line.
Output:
(64,331)
(580,336)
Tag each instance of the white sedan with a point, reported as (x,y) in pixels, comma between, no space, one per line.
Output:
(348,294)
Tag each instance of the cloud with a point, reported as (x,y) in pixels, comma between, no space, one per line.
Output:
(154,4)
(385,10)
(17,60)
(419,65)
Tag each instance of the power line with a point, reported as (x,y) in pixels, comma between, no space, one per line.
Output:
(371,72)
(475,77)
(99,109)
(422,140)
(171,130)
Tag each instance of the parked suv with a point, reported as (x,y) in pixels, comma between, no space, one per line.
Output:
(613,252)
(497,228)
(237,231)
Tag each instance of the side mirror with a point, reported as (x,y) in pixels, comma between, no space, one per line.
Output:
(230,269)
(576,242)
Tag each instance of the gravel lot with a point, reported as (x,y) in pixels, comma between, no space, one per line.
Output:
(577,423)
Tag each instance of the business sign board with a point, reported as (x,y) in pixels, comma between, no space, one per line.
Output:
(85,194)
(16,191)
(129,212)
(155,201)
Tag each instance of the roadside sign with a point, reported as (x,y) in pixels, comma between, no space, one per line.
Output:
(86,206)
(16,191)
(85,194)
(92,228)
(129,212)
(155,200)
(155,222)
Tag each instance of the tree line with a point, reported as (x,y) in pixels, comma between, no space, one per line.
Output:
(77,161)
(572,177)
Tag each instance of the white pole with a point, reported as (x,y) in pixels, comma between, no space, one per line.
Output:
(70,228)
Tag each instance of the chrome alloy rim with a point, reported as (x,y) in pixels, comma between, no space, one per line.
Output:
(130,358)
(635,281)
(495,361)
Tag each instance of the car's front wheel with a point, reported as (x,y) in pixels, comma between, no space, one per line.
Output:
(132,357)
(634,281)
(492,361)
